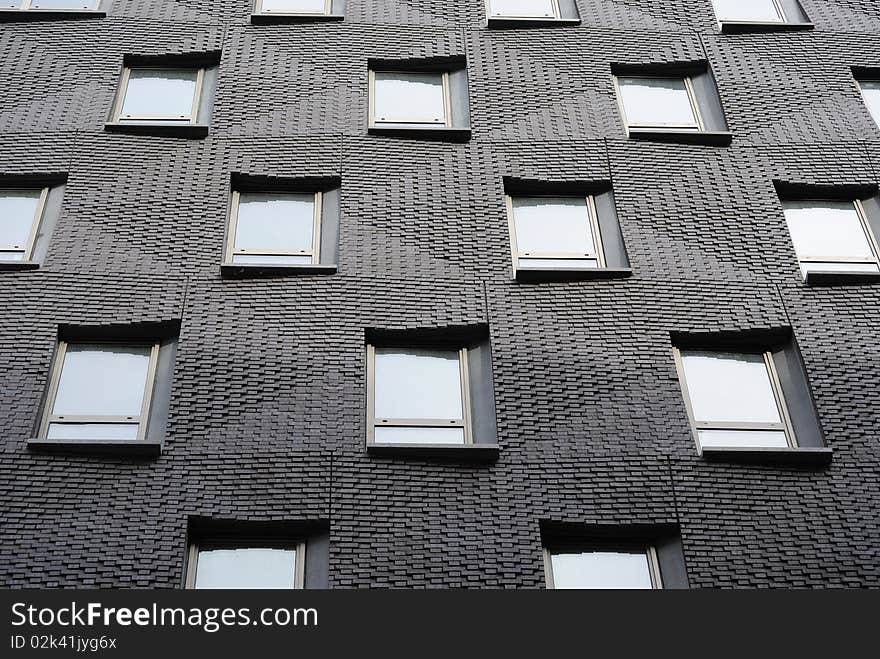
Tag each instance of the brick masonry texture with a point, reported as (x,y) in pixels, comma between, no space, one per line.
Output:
(267,418)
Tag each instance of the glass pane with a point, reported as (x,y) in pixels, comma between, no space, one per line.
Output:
(418,384)
(11,256)
(551,264)
(657,102)
(398,435)
(271,259)
(246,568)
(18,209)
(295,6)
(93,431)
(871,91)
(552,225)
(742,438)
(837,266)
(63,4)
(746,10)
(278,222)
(409,97)
(524,8)
(730,387)
(602,569)
(152,93)
(827,229)
(101,380)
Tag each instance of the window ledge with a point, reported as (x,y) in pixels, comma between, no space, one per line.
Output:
(708,137)
(742,27)
(186,131)
(275,19)
(773,456)
(15,15)
(442,134)
(133,447)
(501,23)
(457,452)
(18,265)
(531,275)
(246,270)
(831,278)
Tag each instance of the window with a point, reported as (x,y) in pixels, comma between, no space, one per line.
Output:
(100,392)
(832,236)
(659,102)
(317,7)
(156,95)
(621,568)
(749,11)
(418,396)
(52,5)
(276,229)
(871,94)
(235,566)
(20,215)
(407,97)
(524,9)
(734,399)
(555,232)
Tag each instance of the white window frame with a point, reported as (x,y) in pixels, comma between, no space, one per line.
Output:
(873,245)
(692,98)
(779,398)
(193,116)
(777,5)
(447,101)
(593,219)
(859,82)
(314,253)
(373,421)
(192,562)
(28,5)
(557,14)
(28,248)
(258,9)
(649,550)
(70,419)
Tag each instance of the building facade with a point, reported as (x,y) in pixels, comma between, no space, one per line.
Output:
(443,152)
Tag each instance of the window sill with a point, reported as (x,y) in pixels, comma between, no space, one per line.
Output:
(247,270)
(18,265)
(186,131)
(457,452)
(442,134)
(819,457)
(503,23)
(275,19)
(706,137)
(132,447)
(537,275)
(16,15)
(830,278)
(743,27)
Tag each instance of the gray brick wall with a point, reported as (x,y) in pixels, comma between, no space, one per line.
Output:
(267,412)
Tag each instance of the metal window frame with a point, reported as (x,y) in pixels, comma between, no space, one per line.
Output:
(871,239)
(464,379)
(299,568)
(700,126)
(593,222)
(193,116)
(314,253)
(27,5)
(860,85)
(28,248)
(779,398)
(447,100)
(258,9)
(557,13)
(58,364)
(649,550)
(777,5)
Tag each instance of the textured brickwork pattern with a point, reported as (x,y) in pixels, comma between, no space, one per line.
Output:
(267,418)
